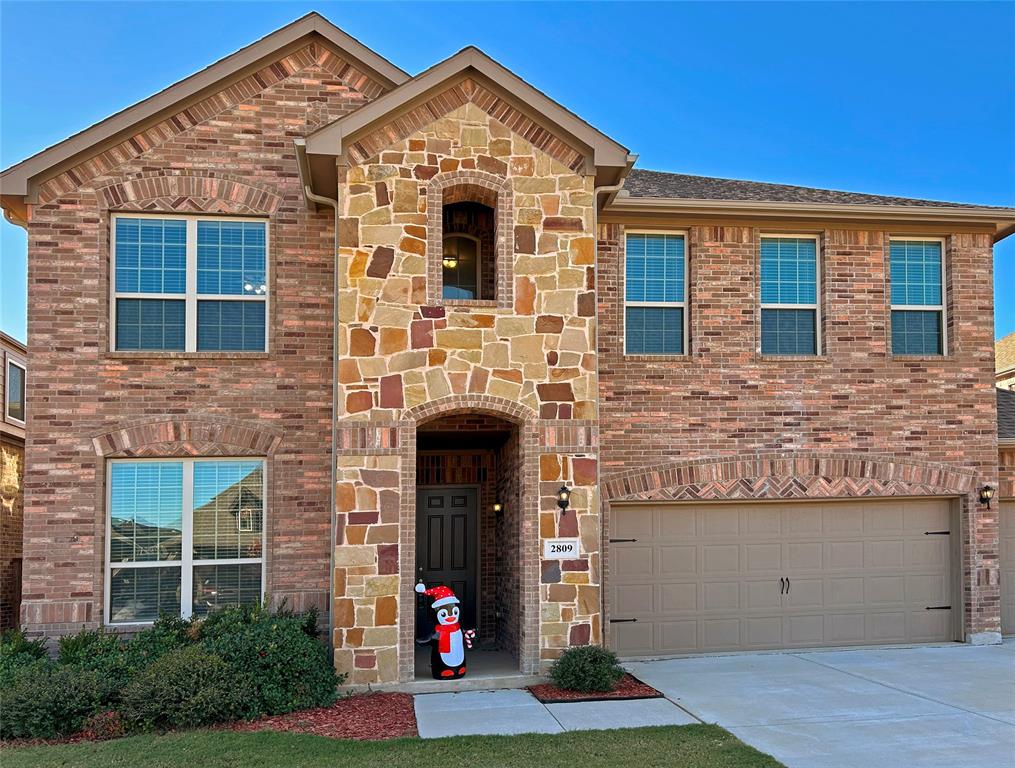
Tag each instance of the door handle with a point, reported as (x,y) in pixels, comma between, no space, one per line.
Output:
(788,585)
(782,586)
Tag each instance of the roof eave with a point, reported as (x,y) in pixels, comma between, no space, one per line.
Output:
(16,181)
(1003,222)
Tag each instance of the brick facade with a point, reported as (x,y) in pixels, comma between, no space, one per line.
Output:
(231,153)
(727,422)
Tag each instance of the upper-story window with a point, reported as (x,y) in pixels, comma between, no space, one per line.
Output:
(184,536)
(789,295)
(189,284)
(14,400)
(918,296)
(655,291)
(468,265)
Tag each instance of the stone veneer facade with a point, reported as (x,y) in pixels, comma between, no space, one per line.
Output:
(527,357)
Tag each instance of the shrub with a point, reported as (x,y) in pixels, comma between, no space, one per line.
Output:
(42,703)
(167,634)
(98,650)
(587,668)
(103,726)
(185,688)
(286,667)
(17,652)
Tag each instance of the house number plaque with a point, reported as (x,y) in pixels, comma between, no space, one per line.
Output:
(560,549)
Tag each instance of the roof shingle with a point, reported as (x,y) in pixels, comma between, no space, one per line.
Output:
(643,183)
(1004,353)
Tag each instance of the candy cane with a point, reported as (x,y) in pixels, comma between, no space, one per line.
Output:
(469,635)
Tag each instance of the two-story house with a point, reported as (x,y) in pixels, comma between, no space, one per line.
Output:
(307,326)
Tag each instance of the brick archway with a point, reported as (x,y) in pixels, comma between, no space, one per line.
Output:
(524,422)
(788,475)
(189,192)
(476,186)
(187,436)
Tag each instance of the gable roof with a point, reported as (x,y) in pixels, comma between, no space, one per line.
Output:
(603,155)
(646,189)
(17,180)
(1005,414)
(1004,355)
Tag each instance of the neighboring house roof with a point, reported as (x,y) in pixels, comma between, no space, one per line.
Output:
(1004,356)
(412,101)
(642,183)
(10,341)
(1005,414)
(15,181)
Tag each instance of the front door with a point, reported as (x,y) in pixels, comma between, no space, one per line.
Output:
(446,549)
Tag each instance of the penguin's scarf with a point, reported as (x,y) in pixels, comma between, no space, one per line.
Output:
(445,631)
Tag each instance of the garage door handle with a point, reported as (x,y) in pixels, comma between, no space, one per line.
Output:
(622,621)
(788,586)
(616,541)
(782,586)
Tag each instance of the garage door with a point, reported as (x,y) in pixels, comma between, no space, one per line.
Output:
(724,577)
(1008,567)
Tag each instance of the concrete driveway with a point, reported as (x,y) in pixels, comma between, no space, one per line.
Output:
(949,706)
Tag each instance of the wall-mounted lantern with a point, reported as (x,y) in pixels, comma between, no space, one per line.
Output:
(498,509)
(563,498)
(986,494)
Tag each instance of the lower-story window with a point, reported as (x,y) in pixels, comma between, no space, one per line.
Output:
(183,537)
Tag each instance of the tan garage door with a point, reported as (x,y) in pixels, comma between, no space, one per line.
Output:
(1008,567)
(723,577)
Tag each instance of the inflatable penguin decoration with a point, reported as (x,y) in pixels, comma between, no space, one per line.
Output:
(448,642)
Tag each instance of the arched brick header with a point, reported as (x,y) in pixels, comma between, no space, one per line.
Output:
(187,436)
(486,404)
(477,186)
(788,476)
(189,192)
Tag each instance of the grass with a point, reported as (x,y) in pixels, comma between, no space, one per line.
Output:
(688,746)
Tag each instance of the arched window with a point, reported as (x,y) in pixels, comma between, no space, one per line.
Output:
(461,263)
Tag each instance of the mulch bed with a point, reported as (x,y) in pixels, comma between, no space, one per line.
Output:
(629,687)
(365,717)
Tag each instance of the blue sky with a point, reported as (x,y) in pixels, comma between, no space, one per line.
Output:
(907,99)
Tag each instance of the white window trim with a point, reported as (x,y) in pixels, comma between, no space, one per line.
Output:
(816,306)
(671,304)
(479,263)
(186,561)
(19,363)
(190,297)
(942,307)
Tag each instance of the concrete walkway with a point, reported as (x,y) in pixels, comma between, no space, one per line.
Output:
(921,707)
(518,711)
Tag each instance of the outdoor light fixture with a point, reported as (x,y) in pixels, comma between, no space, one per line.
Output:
(450,261)
(986,494)
(498,508)
(563,498)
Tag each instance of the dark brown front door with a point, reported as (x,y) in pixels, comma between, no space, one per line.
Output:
(446,549)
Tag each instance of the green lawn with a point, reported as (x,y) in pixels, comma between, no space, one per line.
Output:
(689,746)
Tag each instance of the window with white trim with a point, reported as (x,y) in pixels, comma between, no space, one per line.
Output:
(14,398)
(655,292)
(790,314)
(918,296)
(189,284)
(183,537)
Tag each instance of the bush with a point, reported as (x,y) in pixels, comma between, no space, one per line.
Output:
(187,687)
(17,652)
(46,702)
(587,668)
(167,634)
(285,666)
(97,650)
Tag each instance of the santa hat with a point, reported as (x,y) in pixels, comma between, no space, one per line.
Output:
(441,595)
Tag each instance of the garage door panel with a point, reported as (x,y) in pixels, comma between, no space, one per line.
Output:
(720,558)
(706,577)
